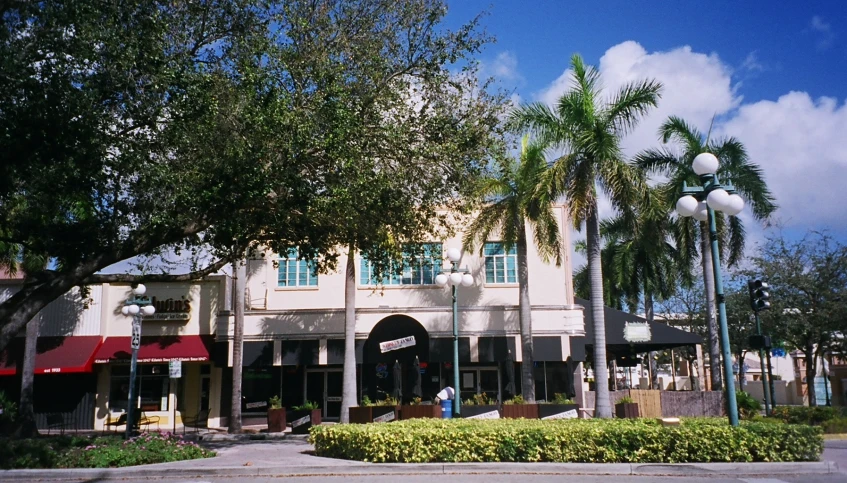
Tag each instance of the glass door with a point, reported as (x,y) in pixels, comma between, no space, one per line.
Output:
(468,383)
(332,405)
(489,383)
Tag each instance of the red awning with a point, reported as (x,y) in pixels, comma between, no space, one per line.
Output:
(163,348)
(54,355)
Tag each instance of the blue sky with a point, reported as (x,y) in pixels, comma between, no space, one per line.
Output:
(774,74)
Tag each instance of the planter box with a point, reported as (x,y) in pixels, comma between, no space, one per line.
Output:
(420,411)
(626,410)
(367,414)
(301,421)
(558,411)
(515,411)
(480,412)
(276,420)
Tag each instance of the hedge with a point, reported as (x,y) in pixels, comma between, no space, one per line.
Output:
(567,441)
(814,415)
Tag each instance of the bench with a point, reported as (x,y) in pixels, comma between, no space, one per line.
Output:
(55,420)
(140,420)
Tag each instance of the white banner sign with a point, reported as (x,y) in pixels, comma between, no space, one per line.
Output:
(175,369)
(636,332)
(257,404)
(301,421)
(565,415)
(488,415)
(393,345)
(385,418)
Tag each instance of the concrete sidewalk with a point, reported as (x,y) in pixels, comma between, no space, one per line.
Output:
(292,457)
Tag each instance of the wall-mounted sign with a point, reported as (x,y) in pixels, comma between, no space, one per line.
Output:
(393,345)
(636,332)
(170,309)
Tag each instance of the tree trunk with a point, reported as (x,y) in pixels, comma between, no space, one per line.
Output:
(348,391)
(654,364)
(239,271)
(26,426)
(602,404)
(811,370)
(742,374)
(525,318)
(711,313)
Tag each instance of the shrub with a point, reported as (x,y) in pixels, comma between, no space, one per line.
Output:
(307,406)
(479,400)
(560,398)
(515,400)
(8,411)
(587,441)
(835,426)
(275,402)
(625,400)
(748,406)
(815,415)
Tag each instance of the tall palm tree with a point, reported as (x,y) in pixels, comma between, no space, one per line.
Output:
(736,168)
(515,201)
(589,129)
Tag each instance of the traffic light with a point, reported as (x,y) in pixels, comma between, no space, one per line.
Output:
(759,295)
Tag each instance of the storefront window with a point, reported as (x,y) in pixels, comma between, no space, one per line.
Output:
(257,386)
(151,381)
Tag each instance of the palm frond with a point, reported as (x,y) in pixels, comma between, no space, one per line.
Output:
(631,102)
(677,129)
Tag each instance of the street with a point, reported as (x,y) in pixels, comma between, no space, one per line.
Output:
(837,478)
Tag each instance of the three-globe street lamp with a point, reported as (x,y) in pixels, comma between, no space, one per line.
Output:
(457,276)
(137,306)
(701,202)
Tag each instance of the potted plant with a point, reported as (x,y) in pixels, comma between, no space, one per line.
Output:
(304,417)
(375,411)
(419,409)
(276,415)
(626,408)
(480,406)
(561,407)
(517,407)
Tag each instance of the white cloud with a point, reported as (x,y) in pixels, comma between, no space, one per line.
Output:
(823,30)
(504,69)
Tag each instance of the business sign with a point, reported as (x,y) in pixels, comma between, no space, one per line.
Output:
(489,415)
(301,421)
(257,404)
(393,345)
(170,309)
(389,416)
(571,414)
(175,369)
(636,332)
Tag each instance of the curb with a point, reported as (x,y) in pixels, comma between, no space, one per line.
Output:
(213,437)
(676,469)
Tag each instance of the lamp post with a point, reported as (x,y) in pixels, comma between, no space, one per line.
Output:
(457,276)
(137,306)
(701,202)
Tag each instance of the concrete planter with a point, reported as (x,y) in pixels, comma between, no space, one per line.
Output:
(276,420)
(626,410)
(515,411)
(420,411)
(373,414)
(301,421)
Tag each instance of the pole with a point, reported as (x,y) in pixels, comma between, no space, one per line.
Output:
(130,408)
(176,391)
(673,371)
(732,405)
(770,381)
(457,396)
(765,386)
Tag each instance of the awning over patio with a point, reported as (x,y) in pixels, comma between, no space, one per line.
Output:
(163,348)
(54,355)
(662,336)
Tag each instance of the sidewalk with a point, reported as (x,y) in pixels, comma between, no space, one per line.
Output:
(291,456)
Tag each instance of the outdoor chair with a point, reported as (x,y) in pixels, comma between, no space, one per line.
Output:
(55,420)
(140,420)
(201,419)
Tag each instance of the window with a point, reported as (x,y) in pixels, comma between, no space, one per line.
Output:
(500,266)
(296,273)
(151,381)
(420,266)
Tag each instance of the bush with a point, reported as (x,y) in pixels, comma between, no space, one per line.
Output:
(815,415)
(835,426)
(748,406)
(566,441)
(97,452)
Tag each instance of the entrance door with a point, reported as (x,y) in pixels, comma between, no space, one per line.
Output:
(323,386)
(480,380)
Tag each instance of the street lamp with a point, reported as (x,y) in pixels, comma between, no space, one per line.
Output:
(137,306)
(457,276)
(701,202)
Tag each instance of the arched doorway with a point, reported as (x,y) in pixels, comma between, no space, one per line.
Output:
(395,339)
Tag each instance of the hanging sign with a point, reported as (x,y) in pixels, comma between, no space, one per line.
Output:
(175,369)
(135,341)
(393,345)
(636,332)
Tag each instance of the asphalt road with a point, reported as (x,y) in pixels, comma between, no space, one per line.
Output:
(833,478)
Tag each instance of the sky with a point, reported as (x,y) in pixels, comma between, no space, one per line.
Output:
(774,75)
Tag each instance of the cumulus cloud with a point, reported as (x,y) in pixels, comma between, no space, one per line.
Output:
(823,31)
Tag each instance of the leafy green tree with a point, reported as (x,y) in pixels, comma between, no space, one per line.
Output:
(736,168)
(685,309)
(808,288)
(515,198)
(589,129)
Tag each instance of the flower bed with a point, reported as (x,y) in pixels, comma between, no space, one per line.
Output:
(97,452)
(588,441)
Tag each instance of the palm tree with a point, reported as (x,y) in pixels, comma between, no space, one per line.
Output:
(736,168)
(589,129)
(514,202)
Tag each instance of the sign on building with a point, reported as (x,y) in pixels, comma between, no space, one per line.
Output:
(636,332)
(393,345)
(175,369)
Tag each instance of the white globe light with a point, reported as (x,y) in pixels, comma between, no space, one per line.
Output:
(140,289)
(718,199)
(441,279)
(148,310)
(455,278)
(705,163)
(467,280)
(686,206)
(125,310)
(454,254)
(702,213)
(133,309)
(734,205)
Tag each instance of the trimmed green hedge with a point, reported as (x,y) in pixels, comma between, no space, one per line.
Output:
(567,441)
(814,415)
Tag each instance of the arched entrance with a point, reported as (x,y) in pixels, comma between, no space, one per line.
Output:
(396,338)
